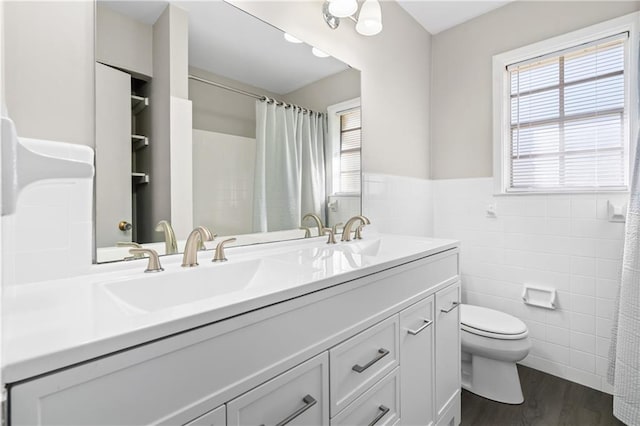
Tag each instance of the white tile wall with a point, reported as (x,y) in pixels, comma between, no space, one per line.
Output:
(49,235)
(398,205)
(561,241)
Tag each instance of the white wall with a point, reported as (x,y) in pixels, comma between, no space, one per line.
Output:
(559,241)
(223,172)
(461,137)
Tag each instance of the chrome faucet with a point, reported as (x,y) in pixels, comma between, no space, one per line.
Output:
(318,221)
(346,231)
(170,243)
(190,257)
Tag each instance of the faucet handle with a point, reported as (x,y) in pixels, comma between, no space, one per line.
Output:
(307,231)
(154,260)
(130,244)
(332,235)
(219,255)
(336,226)
(358,235)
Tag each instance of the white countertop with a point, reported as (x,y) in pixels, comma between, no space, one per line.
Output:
(53,324)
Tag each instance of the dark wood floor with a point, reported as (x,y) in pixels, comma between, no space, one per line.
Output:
(548,401)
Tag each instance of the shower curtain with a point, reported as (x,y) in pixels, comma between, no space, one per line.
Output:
(290,166)
(624,352)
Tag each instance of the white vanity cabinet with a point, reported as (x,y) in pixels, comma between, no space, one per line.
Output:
(296,360)
(216,417)
(447,383)
(416,359)
(298,397)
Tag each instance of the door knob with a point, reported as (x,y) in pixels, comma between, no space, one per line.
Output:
(124,226)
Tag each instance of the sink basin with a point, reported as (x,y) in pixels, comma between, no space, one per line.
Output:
(154,292)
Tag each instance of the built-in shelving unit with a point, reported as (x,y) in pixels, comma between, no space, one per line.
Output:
(138,103)
(139,178)
(139,141)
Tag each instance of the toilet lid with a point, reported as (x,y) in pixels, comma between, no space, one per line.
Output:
(491,323)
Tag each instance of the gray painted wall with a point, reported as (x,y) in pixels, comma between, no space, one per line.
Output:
(461,94)
(49,69)
(330,90)
(123,42)
(396,68)
(222,111)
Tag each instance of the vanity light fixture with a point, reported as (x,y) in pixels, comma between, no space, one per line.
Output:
(368,22)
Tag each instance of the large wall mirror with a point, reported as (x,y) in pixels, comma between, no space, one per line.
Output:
(208,116)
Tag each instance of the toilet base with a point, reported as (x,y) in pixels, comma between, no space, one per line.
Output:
(491,379)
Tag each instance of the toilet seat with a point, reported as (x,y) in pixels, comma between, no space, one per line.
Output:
(491,323)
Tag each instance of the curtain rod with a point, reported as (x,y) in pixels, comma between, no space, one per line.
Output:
(250,94)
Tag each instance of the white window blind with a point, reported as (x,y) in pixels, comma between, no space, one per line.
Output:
(350,145)
(567,126)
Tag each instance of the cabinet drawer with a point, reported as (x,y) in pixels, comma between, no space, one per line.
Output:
(217,417)
(378,406)
(361,361)
(297,397)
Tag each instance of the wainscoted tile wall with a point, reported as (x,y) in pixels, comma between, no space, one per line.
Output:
(397,204)
(561,241)
(50,234)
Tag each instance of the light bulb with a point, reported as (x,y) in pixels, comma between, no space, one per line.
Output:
(291,38)
(370,18)
(319,53)
(342,8)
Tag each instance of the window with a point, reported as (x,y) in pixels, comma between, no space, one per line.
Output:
(565,121)
(344,147)
(350,143)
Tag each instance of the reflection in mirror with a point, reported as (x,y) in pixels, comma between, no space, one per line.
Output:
(207,116)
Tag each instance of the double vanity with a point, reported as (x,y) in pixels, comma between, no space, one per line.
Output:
(364,332)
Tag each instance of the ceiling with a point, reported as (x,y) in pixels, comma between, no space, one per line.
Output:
(229,42)
(437,16)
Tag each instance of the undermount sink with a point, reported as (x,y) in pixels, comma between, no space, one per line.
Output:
(169,289)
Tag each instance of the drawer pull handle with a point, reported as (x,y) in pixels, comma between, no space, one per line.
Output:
(309,402)
(453,306)
(426,324)
(383,412)
(381,354)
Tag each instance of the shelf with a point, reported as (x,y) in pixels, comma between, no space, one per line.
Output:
(138,103)
(139,142)
(139,178)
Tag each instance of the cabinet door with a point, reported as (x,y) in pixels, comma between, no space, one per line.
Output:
(217,417)
(113,155)
(299,396)
(447,371)
(416,363)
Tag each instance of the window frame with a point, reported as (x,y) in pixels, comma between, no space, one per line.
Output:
(501,98)
(334,149)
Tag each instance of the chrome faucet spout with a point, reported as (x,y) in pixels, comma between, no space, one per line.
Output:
(170,242)
(317,220)
(346,230)
(190,256)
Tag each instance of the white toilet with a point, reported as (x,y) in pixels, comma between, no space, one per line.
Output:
(492,343)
